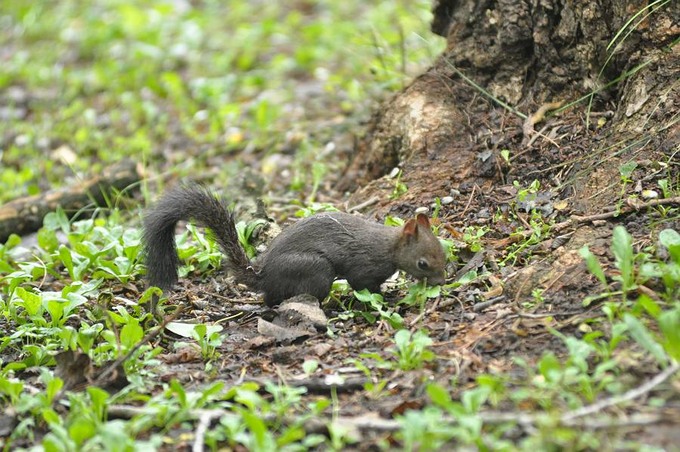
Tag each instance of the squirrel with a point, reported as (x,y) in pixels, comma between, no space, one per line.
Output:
(303,259)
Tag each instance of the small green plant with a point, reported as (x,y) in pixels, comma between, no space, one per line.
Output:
(208,338)
(538,229)
(472,236)
(376,302)
(197,252)
(310,366)
(505,155)
(625,171)
(635,269)
(537,299)
(245,233)
(668,270)
(399,187)
(314,208)
(661,341)
(412,350)
(419,293)
(374,386)
(526,193)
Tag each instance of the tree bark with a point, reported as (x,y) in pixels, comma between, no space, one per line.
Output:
(447,129)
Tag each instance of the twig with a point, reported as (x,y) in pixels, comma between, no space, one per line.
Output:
(477,307)
(576,219)
(543,315)
(531,121)
(424,312)
(366,203)
(205,419)
(630,395)
(376,424)
(467,206)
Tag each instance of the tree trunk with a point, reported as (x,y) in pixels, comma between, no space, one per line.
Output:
(447,129)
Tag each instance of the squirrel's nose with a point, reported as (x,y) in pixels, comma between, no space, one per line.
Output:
(437,280)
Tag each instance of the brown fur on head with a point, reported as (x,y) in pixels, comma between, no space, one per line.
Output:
(419,252)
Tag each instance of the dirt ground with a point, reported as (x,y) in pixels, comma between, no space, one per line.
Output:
(482,327)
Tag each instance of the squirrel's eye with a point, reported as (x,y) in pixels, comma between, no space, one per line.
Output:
(423,264)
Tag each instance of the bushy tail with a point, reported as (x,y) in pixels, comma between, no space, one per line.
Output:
(190,202)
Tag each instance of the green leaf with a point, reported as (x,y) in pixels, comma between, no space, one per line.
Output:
(402,338)
(626,169)
(199,331)
(54,385)
(438,395)
(81,429)
(99,397)
(593,264)
(178,390)
(366,296)
(131,333)
(622,247)
(550,367)
(32,302)
(13,241)
(263,438)
(642,336)
(669,323)
(56,310)
(47,240)
(473,399)
(66,259)
(670,239)
(649,305)
(310,366)
(181,328)
(50,416)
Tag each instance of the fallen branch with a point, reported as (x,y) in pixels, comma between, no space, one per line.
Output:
(630,395)
(204,422)
(630,207)
(24,215)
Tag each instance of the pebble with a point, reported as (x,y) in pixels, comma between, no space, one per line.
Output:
(446,200)
(422,210)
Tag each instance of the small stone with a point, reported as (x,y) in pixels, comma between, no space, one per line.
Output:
(650,194)
(22,140)
(446,200)
(422,210)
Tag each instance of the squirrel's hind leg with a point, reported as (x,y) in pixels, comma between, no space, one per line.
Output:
(298,274)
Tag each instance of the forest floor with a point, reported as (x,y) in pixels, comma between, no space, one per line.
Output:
(556,329)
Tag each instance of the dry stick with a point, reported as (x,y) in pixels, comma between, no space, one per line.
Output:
(474,262)
(575,219)
(630,395)
(467,206)
(538,116)
(374,424)
(204,420)
(24,215)
(366,203)
(425,312)
(477,307)
(571,419)
(627,209)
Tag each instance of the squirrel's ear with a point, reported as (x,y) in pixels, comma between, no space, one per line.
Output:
(422,220)
(410,229)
